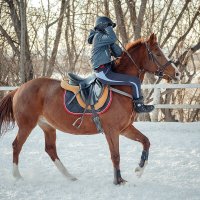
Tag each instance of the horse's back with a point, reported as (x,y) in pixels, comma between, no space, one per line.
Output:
(31,96)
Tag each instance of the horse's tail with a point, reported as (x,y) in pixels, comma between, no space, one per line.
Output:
(7,119)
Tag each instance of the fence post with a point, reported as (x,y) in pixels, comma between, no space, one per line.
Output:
(156,101)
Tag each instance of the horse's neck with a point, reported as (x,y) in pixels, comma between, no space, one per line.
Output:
(124,67)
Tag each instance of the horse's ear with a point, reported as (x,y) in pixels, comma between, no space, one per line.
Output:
(152,38)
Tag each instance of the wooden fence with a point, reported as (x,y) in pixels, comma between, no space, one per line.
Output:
(156,97)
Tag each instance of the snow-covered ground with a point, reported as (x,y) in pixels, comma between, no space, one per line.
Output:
(173,171)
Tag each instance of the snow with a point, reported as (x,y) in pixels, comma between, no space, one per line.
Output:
(173,170)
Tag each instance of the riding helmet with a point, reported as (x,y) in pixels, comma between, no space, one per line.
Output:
(104,19)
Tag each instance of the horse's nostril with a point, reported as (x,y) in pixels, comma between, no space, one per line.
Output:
(177,74)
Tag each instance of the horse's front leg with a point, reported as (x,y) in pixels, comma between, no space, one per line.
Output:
(113,142)
(132,133)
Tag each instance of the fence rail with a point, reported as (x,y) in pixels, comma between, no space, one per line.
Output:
(156,96)
(7,88)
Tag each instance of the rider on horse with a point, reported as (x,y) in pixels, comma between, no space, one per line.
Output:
(103,39)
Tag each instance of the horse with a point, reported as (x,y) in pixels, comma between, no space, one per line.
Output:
(40,102)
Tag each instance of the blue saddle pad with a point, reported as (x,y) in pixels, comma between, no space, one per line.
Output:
(75,109)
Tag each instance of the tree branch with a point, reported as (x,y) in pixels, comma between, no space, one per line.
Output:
(15,18)
(186,33)
(10,41)
(176,22)
(164,19)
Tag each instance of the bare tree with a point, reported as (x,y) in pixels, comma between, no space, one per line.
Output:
(26,67)
(140,19)
(57,39)
(22,62)
(181,38)
(132,10)
(176,22)
(106,7)
(120,21)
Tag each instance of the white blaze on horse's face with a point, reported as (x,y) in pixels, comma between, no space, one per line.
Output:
(177,75)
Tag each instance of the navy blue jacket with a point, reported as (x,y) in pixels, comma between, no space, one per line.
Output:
(103,46)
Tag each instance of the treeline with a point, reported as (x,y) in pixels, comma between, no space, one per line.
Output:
(49,38)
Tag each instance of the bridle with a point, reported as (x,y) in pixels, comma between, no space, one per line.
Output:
(160,68)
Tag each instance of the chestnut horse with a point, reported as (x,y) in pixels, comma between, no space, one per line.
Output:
(40,102)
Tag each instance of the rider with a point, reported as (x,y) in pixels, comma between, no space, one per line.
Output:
(103,39)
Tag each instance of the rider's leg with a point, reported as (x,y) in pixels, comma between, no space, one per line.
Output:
(107,76)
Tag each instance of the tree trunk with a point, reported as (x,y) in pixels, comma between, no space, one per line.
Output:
(163,20)
(46,35)
(22,63)
(45,50)
(140,18)
(120,21)
(132,11)
(106,7)
(20,27)
(57,39)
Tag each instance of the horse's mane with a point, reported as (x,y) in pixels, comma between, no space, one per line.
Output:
(135,43)
(124,60)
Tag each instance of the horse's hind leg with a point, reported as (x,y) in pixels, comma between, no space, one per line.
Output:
(17,144)
(132,133)
(50,148)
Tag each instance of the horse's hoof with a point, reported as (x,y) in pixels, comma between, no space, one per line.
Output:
(120,181)
(140,170)
(18,178)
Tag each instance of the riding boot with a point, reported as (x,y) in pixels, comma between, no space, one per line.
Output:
(140,107)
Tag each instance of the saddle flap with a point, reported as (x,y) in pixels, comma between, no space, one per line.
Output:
(92,92)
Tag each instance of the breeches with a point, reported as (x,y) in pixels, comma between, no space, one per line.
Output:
(107,76)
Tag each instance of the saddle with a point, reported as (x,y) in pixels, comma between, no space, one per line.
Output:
(91,89)
(90,93)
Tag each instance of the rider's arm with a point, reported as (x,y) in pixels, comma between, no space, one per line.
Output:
(116,50)
(91,36)
(105,37)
